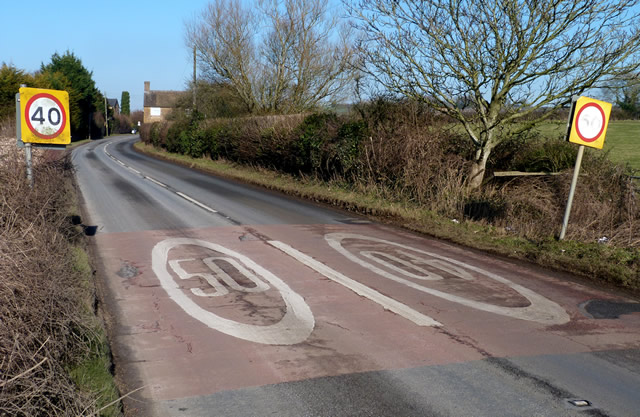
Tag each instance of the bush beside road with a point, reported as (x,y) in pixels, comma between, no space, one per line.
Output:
(54,356)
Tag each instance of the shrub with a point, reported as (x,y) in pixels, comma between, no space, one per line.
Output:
(540,155)
(121,124)
(210,137)
(310,150)
(155,133)
(145,133)
(177,137)
(351,135)
(43,313)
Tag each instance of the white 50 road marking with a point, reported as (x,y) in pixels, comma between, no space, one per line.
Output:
(541,309)
(220,274)
(360,289)
(295,327)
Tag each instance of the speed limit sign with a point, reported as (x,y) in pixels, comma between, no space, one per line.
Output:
(589,123)
(44,116)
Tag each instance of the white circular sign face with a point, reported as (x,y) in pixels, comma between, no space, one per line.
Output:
(590,122)
(45,116)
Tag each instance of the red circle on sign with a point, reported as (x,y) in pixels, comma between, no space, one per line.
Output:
(55,100)
(594,138)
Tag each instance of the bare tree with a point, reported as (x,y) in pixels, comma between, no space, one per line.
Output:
(496,53)
(283,56)
(625,92)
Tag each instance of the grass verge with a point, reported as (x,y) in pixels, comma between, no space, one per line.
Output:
(599,263)
(93,374)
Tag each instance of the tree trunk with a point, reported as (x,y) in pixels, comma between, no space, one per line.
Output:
(478,168)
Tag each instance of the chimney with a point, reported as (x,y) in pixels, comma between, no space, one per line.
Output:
(147,86)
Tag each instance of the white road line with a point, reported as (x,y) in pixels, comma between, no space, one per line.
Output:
(386,302)
(196,202)
(154,181)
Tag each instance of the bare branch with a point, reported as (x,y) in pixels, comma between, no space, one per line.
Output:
(283,56)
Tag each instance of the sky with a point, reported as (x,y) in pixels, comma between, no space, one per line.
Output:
(124,43)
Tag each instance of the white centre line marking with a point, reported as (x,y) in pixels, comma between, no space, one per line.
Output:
(360,289)
(196,202)
(153,180)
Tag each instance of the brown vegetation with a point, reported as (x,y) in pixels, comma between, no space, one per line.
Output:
(44,299)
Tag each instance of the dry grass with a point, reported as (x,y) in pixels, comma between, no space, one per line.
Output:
(605,206)
(44,299)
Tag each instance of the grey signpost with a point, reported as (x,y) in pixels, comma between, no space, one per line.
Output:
(20,143)
(24,139)
(587,126)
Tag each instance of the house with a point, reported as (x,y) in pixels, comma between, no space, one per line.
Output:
(158,103)
(114,105)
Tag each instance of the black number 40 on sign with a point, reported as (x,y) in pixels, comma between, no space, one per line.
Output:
(53,116)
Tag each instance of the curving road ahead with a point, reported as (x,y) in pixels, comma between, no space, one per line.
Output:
(228,300)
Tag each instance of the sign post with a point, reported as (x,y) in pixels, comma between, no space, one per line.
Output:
(572,191)
(588,122)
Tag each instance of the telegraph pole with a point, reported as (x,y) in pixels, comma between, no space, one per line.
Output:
(194,78)
(106,113)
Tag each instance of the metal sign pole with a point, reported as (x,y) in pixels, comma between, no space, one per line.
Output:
(572,190)
(587,126)
(27,153)
(20,143)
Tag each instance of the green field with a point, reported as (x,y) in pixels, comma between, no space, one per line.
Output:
(622,141)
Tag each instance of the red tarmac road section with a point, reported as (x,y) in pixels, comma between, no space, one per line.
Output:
(208,310)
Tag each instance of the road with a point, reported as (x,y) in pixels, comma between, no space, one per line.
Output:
(228,300)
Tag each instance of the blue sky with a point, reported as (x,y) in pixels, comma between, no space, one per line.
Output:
(124,43)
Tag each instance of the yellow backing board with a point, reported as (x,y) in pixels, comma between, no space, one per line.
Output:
(589,122)
(44,116)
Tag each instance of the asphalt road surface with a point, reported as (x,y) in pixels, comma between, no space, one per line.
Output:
(228,300)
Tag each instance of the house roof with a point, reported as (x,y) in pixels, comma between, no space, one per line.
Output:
(159,98)
(113,102)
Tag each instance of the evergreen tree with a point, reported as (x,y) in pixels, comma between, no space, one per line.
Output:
(66,72)
(125,107)
(10,80)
